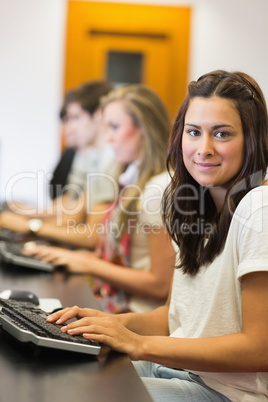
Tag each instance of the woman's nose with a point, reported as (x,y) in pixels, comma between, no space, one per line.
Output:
(205,147)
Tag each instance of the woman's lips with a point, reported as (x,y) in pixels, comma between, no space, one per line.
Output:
(207,166)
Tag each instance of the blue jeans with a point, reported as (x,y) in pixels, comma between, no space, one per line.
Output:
(165,384)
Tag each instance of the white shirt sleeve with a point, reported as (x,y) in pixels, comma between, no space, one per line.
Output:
(251,219)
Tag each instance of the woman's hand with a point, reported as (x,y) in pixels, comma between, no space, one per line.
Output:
(54,255)
(17,223)
(100,327)
(76,261)
(66,314)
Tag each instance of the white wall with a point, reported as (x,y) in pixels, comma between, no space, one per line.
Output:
(31,54)
(225,34)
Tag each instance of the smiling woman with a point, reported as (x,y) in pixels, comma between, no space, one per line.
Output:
(212,141)
(209,342)
(226,161)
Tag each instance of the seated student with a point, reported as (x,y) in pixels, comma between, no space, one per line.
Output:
(83,130)
(135,253)
(209,342)
(90,180)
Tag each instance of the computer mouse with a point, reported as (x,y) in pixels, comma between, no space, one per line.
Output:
(20,295)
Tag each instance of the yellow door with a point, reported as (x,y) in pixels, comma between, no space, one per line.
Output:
(128,43)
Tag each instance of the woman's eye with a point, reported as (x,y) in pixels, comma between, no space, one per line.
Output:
(194,133)
(114,126)
(222,134)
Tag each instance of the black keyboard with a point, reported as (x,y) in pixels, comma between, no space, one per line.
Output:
(6,234)
(27,323)
(9,235)
(11,253)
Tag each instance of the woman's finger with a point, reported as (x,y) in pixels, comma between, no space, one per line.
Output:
(64,315)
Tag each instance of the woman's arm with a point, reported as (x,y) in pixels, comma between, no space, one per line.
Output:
(240,352)
(154,283)
(79,230)
(14,222)
(69,226)
(110,329)
(152,323)
(60,208)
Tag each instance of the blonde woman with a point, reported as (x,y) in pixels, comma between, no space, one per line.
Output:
(135,254)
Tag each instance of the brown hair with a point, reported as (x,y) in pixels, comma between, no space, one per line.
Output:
(88,96)
(202,247)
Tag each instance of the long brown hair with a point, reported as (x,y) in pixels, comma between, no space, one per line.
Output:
(201,246)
